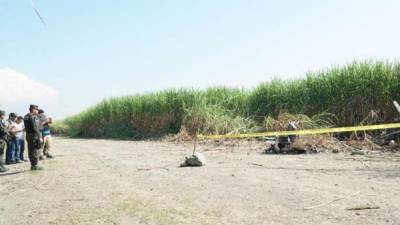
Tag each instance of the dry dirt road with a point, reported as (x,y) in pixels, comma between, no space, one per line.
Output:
(127,182)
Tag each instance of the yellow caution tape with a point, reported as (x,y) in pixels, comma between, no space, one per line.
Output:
(304,132)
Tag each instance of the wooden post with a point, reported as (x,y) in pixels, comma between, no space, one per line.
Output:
(195,144)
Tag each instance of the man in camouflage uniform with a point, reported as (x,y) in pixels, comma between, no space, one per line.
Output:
(33,136)
(3,137)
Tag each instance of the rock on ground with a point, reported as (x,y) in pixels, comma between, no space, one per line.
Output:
(197,159)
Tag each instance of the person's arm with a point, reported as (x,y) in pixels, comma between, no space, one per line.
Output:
(16,128)
(12,129)
(10,126)
(43,120)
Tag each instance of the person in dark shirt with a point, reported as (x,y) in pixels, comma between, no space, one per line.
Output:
(3,138)
(33,136)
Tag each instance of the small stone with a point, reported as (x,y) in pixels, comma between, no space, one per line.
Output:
(197,159)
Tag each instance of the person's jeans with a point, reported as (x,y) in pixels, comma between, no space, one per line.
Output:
(21,147)
(12,153)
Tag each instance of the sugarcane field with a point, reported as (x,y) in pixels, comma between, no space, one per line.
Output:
(212,112)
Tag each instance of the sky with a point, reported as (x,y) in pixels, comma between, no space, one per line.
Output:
(90,50)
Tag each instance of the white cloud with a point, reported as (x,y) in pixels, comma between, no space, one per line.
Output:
(16,87)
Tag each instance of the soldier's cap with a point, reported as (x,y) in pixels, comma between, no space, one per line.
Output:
(41,111)
(13,115)
(31,107)
(2,113)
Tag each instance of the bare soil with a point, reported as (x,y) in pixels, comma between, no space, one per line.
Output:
(130,182)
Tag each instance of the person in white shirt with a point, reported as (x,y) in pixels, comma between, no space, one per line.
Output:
(12,153)
(20,134)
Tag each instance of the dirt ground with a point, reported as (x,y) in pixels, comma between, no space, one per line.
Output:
(127,182)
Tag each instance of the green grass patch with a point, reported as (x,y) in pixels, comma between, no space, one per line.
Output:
(341,95)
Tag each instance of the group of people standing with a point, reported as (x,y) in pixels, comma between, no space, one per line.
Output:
(34,128)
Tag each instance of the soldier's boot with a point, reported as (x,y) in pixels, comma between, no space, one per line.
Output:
(36,168)
(49,156)
(3,169)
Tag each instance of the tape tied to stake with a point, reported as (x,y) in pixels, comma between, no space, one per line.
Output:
(304,132)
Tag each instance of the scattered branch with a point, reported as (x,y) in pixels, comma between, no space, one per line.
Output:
(330,202)
(363,207)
